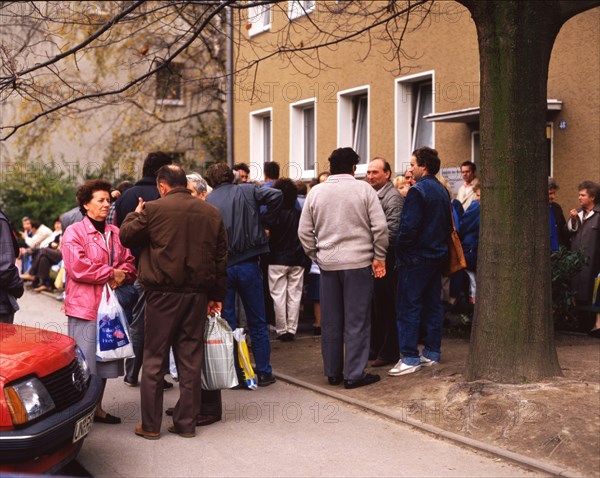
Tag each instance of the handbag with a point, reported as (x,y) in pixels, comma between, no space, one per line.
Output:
(112,335)
(456,256)
(218,370)
(127,294)
(244,359)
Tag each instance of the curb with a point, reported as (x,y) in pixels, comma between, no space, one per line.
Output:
(522,460)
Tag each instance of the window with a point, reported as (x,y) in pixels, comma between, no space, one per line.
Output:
(259,19)
(260,139)
(414,100)
(303,139)
(475,147)
(353,123)
(169,84)
(422,130)
(299,8)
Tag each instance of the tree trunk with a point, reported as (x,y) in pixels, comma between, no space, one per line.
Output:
(512,339)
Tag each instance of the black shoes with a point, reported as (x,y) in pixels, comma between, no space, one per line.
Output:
(265,379)
(368,379)
(108,418)
(335,380)
(205,420)
(286,337)
(316,330)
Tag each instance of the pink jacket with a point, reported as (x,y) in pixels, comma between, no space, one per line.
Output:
(86,259)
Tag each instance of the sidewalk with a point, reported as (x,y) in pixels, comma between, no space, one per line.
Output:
(552,426)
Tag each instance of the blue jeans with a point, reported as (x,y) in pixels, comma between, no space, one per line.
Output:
(419,301)
(245,279)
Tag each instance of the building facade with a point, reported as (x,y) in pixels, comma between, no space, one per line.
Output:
(386,99)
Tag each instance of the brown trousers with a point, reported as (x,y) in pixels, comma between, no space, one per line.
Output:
(177,320)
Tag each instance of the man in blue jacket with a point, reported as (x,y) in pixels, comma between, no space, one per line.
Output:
(422,251)
(146,189)
(240,208)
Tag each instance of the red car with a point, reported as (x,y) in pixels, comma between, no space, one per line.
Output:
(47,399)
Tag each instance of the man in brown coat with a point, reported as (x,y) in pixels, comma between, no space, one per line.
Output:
(182,267)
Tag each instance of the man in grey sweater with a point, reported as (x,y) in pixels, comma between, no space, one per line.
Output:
(343,228)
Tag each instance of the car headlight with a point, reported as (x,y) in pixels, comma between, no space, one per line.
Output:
(27,400)
(83,365)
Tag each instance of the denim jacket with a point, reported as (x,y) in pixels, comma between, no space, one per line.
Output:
(425,224)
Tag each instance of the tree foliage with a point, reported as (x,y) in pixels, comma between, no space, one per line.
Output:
(37,189)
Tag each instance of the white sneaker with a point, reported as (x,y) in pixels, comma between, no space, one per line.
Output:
(425,362)
(402,369)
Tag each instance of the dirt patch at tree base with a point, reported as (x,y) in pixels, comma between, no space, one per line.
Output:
(556,421)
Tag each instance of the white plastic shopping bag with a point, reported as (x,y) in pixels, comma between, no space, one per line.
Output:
(112,333)
(218,369)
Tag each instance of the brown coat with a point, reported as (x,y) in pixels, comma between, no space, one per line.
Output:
(587,240)
(184,245)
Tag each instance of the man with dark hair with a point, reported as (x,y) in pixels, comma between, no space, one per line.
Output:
(286,263)
(465,193)
(559,232)
(239,207)
(584,224)
(241,172)
(344,230)
(271,171)
(11,285)
(146,189)
(422,252)
(384,333)
(182,269)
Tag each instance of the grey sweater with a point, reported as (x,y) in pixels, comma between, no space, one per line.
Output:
(343,225)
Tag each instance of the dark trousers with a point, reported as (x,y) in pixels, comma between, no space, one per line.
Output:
(136,332)
(42,262)
(177,320)
(7,318)
(384,331)
(346,321)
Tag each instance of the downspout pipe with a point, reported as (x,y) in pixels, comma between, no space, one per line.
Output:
(229,87)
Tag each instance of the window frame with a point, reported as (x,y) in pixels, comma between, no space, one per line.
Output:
(299,8)
(404,130)
(171,101)
(298,139)
(257,140)
(256,20)
(346,122)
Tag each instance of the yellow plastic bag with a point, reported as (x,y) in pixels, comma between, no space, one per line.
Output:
(59,282)
(244,359)
(596,298)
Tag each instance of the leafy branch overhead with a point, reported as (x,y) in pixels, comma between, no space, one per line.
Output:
(47,48)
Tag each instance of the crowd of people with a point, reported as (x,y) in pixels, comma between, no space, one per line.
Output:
(367,257)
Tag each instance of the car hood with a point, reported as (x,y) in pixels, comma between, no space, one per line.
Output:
(28,350)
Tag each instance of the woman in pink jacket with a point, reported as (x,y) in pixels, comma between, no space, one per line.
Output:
(87,250)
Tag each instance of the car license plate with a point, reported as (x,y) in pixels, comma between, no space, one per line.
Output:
(83,426)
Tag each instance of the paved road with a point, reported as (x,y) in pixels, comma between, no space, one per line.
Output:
(281,430)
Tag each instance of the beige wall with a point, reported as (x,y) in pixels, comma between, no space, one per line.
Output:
(447,44)
(575,79)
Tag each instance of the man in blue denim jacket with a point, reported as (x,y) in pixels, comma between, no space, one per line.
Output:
(422,252)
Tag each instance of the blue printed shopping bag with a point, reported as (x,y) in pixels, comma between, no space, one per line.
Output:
(112,334)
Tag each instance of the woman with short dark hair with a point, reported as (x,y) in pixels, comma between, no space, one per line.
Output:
(93,257)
